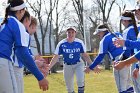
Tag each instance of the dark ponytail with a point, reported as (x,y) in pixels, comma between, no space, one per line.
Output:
(6,15)
(134,23)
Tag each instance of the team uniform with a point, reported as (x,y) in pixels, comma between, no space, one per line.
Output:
(18,70)
(72,64)
(13,34)
(135,45)
(107,47)
(130,34)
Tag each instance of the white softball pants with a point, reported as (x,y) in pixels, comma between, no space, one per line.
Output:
(69,71)
(136,82)
(7,78)
(122,78)
(19,78)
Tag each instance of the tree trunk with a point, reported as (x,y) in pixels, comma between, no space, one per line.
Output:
(107,62)
(37,43)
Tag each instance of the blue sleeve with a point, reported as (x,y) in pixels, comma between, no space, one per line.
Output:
(30,52)
(132,44)
(97,60)
(137,55)
(26,59)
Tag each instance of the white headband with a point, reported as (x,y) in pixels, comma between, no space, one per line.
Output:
(99,30)
(125,18)
(18,7)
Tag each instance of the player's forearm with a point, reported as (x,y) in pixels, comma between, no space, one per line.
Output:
(87,58)
(130,60)
(53,61)
(96,61)
(23,54)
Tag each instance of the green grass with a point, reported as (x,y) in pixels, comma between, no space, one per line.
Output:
(94,83)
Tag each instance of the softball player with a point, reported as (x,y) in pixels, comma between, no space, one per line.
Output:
(18,66)
(131,33)
(71,48)
(107,47)
(12,32)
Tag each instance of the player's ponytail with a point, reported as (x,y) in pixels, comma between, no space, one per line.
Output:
(134,23)
(6,14)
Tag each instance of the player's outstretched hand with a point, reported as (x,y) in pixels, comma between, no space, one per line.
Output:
(97,69)
(119,42)
(87,70)
(135,73)
(119,65)
(42,67)
(43,84)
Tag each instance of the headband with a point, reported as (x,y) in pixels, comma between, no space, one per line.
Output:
(125,18)
(18,7)
(100,30)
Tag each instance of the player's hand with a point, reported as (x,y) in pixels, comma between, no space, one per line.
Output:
(97,69)
(40,58)
(119,65)
(87,70)
(42,66)
(43,84)
(135,73)
(119,42)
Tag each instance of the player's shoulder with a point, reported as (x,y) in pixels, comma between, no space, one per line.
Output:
(15,22)
(78,40)
(62,41)
(128,29)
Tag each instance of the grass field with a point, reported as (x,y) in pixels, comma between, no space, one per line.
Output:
(94,83)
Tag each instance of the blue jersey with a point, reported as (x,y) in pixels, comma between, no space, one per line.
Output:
(70,51)
(107,47)
(16,61)
(13,34)
(10,37)
(134,44)
(130,34)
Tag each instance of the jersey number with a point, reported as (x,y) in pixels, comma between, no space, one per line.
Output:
(71,56)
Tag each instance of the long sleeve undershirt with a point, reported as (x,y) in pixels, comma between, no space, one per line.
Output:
(26,59)
(97,60)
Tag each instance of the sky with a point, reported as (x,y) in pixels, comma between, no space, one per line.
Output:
(87,4)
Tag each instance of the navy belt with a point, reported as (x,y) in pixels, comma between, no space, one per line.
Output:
(70,63)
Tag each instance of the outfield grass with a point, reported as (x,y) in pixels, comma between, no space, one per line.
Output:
(94,83)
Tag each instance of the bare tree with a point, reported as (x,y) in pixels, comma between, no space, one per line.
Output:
(105,7)
(59,21)
(121,7)
(78,6)
(41,12)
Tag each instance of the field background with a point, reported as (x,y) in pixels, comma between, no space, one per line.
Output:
(94,83)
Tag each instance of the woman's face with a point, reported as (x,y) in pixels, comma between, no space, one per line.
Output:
(137,14)
(21,13)
(71,34)
(32,29)
(101,34)
(27,22)
(125,22)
